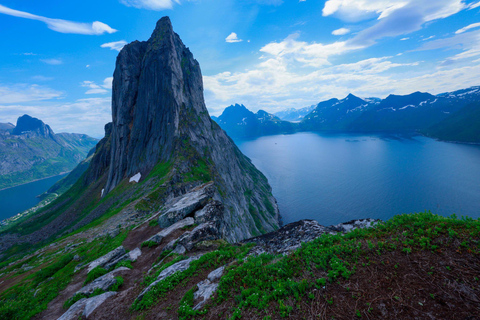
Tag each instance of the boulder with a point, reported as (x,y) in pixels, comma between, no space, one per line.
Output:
(354,224)
(174,268)
(85,306)
(157,238)
(185,205)
(104,282)
(107,259)
(205,231)
(207,287)
(213,211)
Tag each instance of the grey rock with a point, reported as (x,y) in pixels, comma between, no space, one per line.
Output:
(205,231)
(85,306)
(205,290)
(76,258)
(104,282)
(216,274)
(179,249)
(134,254)
(94,302)
(157,238)
(75,311)
(186,204)
(174,268)
(354,224)
(107,259)
(213,211)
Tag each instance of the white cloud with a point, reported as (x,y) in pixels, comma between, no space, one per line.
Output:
(470,26)
(29,54)
(53,62)
(63,26)
(150,4)
(340,32)
(20,93)
(308,54)
(394,17)
(98,89)
(474,5)
(41,78)
(118,45)
(429,38)
(232,37)
(403,39)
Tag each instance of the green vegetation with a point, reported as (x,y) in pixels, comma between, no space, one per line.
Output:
(52,273)
(96,272)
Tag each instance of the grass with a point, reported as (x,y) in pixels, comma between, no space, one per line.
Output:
(32,295)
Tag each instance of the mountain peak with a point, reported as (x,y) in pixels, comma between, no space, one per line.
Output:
(27,123)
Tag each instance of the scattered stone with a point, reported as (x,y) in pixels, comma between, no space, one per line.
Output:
(76,257)
(207,287)
(107,259)
(104,282)
(354,224)
(205,290)
(134,254)
(179,249)
(203,232)
(187,204)
(157,238)
(85,306)
(174,268)
(216,274)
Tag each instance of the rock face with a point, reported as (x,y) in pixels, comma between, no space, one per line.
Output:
(29,124)
(159,116)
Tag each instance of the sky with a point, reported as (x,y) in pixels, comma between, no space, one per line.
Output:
(58,57)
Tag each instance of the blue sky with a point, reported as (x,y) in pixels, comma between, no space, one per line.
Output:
(58,57)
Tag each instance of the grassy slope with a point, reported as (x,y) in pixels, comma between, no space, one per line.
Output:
(409,266)
(462,126)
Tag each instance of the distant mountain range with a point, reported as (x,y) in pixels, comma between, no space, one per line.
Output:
(294,115)
(31,150)
(448,116)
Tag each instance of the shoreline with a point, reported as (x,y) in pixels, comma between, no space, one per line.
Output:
(22,184)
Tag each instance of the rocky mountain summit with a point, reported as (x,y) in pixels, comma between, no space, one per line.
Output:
(31,150)
(162,156)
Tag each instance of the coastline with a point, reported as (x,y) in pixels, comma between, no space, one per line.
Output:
(21,184)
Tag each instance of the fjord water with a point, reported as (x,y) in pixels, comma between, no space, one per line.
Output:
(337,178)
(20,198)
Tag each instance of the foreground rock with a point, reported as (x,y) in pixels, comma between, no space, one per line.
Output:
(157,238)
(186,204)
(107,259)
(104,283)
(291,236)
(203,232)
(174,268)
(85,306)
(207,288)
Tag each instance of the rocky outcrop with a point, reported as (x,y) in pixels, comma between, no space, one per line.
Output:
(157,238)
(207,287)
(107,259)
(174,268)
(104,283)
(84,307)
(184,205)
(291,236)
(205,231)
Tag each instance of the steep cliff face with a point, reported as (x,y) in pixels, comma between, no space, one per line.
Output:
(159,116)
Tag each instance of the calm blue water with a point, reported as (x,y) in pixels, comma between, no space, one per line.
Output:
(18,199)
(336,178)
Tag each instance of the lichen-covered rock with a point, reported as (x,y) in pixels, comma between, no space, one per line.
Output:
(103,283)
(203,232)
(291,236)
(186,204)
(212,212)
(107,259)
(85,306)
(157,238)
(174,268)
(354,224)
(207,288)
